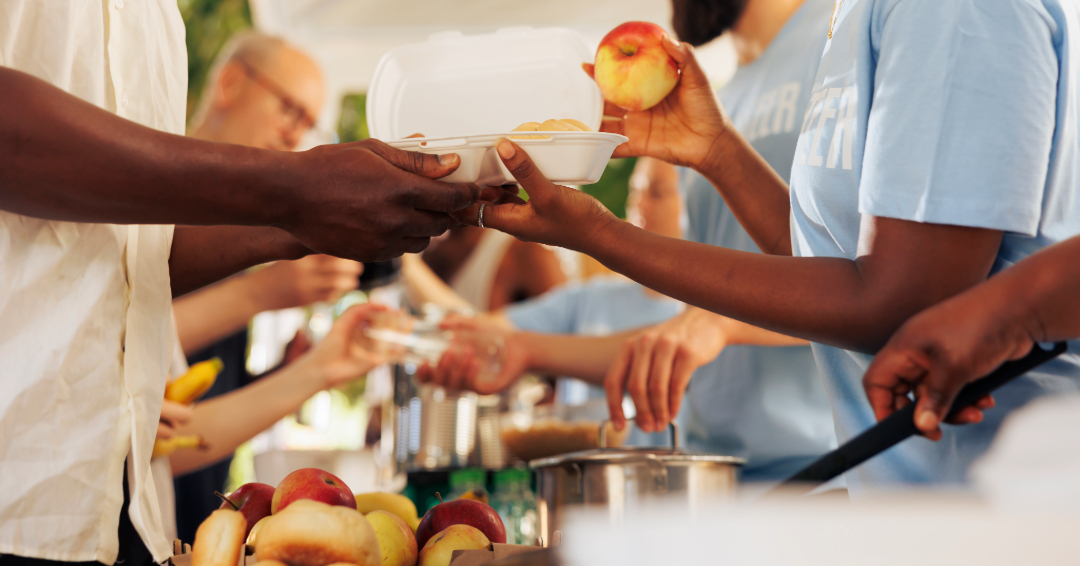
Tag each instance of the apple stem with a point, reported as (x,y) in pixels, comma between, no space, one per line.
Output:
(438,496)
(226,499)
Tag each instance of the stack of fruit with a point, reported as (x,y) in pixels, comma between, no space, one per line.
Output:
(313,519)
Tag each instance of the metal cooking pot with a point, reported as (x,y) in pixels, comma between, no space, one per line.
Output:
(619,479)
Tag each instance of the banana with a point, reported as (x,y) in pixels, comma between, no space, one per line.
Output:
(391,503)
(193,384)
(166,447)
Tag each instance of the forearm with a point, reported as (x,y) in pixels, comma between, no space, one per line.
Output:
(739,333)
(1039,293)
(228,421)
(205,316)
(62,158)
(584,357)
(423,286)
(825,300)
(202,255)
(753,191)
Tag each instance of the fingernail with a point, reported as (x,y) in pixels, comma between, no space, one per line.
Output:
(448,159)
(505,148)
(925,420)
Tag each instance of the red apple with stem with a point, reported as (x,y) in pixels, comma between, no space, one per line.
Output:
(632,68)
(252,500)
(314,484)
(461,512)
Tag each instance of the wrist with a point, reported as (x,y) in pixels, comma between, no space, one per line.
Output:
(610,234)
(275,178)
(710,161)
(308,375)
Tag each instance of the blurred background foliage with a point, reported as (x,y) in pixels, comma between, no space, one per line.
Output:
(210,24)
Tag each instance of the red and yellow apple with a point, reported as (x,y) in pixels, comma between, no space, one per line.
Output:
(440,549)
(632,68)
(397,543)
(461,512)
(252,500)
(313,484)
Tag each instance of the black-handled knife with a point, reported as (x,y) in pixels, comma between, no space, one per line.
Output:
(900,425)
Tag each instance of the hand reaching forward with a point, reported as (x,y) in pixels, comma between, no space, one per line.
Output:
(554,215)
(656,364)
(297,283)
(459,368)
(368,201)
(340,357)
(683,128)
(939,351)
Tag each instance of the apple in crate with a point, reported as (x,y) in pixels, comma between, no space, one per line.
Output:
(632,68)
(252,500)
(313,484)
(440,549)
(461,512)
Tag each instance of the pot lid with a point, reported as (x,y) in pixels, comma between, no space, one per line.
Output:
(631,455)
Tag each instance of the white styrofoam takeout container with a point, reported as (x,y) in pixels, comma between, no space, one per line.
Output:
(465,92)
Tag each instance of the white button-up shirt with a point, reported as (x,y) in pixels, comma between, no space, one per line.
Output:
(84,308)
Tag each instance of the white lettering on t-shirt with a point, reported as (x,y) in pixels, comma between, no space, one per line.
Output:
(774,112)
(808,118)
(827,111)
(843,134)
(762,111)
(784,118)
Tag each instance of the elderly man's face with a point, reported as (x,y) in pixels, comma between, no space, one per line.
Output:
(275,104)
(698,22)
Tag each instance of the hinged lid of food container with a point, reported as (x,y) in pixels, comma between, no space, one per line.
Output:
(458,85)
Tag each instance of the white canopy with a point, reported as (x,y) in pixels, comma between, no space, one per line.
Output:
(348,37)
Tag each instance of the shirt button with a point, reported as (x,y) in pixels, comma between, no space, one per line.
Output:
(124,100)
(119,4)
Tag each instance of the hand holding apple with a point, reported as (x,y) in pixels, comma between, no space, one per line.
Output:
(680,128)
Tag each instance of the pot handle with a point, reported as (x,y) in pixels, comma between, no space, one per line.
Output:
(673,427)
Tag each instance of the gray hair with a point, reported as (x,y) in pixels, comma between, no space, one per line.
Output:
(251,47)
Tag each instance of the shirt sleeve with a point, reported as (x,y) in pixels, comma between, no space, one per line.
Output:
(963,113)
(552,313)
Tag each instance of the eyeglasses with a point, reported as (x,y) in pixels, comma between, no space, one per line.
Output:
(294,112)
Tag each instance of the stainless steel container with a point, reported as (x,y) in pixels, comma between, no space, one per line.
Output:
(621,479)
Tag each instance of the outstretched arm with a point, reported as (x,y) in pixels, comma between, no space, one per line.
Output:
(208,315)
(690,128)
(228,421)
(586,357)
(902,267)
(62,158)
(947,346)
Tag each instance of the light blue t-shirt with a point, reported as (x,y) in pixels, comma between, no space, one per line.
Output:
(600,306)
(765,404)
(960,112)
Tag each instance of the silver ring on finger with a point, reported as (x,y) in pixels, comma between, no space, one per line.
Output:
(480,216)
